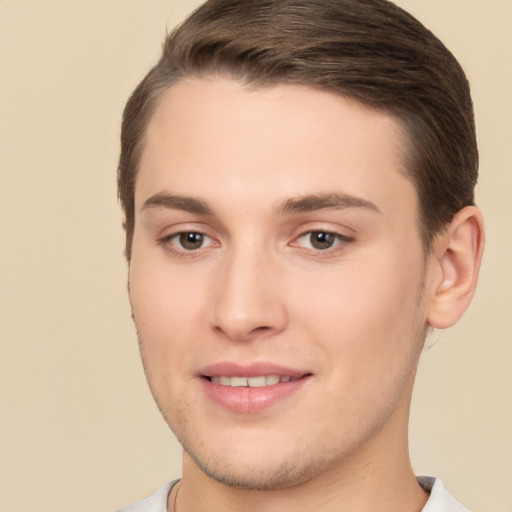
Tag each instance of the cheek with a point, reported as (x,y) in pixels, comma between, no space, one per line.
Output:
(158,292)
(366,317)
(160,315)
(165,309)
(359,295)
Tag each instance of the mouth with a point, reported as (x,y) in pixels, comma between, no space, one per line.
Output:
(252,388)
(260,381)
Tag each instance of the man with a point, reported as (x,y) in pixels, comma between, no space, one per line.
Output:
(297,180)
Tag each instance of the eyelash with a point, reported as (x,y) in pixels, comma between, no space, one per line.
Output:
(339,239)
(168,245)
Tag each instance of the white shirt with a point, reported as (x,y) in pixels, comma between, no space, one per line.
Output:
(439,501)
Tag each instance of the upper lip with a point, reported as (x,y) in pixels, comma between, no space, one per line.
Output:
(255,369)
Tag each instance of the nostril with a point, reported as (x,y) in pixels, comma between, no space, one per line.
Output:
(239,333)
(261,329)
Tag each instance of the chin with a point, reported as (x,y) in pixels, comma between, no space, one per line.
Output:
(257,476)
(259,463)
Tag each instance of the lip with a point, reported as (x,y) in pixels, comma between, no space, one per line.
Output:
(231,369)
(247,399)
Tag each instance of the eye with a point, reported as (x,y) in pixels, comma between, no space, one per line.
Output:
(190,241)
(187,241)
(321,240)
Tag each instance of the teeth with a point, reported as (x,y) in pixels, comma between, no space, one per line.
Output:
(272,379)
(257,382)
(252,382)
(238,382)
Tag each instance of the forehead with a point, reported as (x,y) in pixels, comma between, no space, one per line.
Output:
(220,138)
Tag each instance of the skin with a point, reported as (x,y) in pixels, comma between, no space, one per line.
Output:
(234,165)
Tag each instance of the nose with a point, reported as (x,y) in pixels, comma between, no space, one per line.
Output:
(248,299)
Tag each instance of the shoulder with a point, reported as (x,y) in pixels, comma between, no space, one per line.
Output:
(440,499)
(157,502)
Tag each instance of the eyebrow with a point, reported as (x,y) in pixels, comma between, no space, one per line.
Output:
(302,204)
(334,201)
(177,202)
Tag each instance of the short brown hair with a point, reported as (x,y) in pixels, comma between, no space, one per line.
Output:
(368,50)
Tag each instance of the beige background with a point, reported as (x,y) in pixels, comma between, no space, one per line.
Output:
(78,428)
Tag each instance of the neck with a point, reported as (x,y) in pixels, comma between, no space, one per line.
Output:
(370,494)
(371,486)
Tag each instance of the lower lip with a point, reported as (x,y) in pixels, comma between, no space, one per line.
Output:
(251,400)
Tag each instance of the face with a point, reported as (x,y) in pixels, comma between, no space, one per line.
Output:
(276,279)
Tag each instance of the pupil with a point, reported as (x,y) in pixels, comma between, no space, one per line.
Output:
(321,240)
(191,240)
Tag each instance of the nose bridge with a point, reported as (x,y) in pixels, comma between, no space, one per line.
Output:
(247,301)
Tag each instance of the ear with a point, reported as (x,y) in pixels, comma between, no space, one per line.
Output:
(457,256)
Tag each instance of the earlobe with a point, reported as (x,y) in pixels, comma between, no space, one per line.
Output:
(458,253)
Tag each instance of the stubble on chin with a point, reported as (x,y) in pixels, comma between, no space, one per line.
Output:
(235,472)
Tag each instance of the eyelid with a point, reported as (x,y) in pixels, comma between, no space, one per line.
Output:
(341,240)
(166,241)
